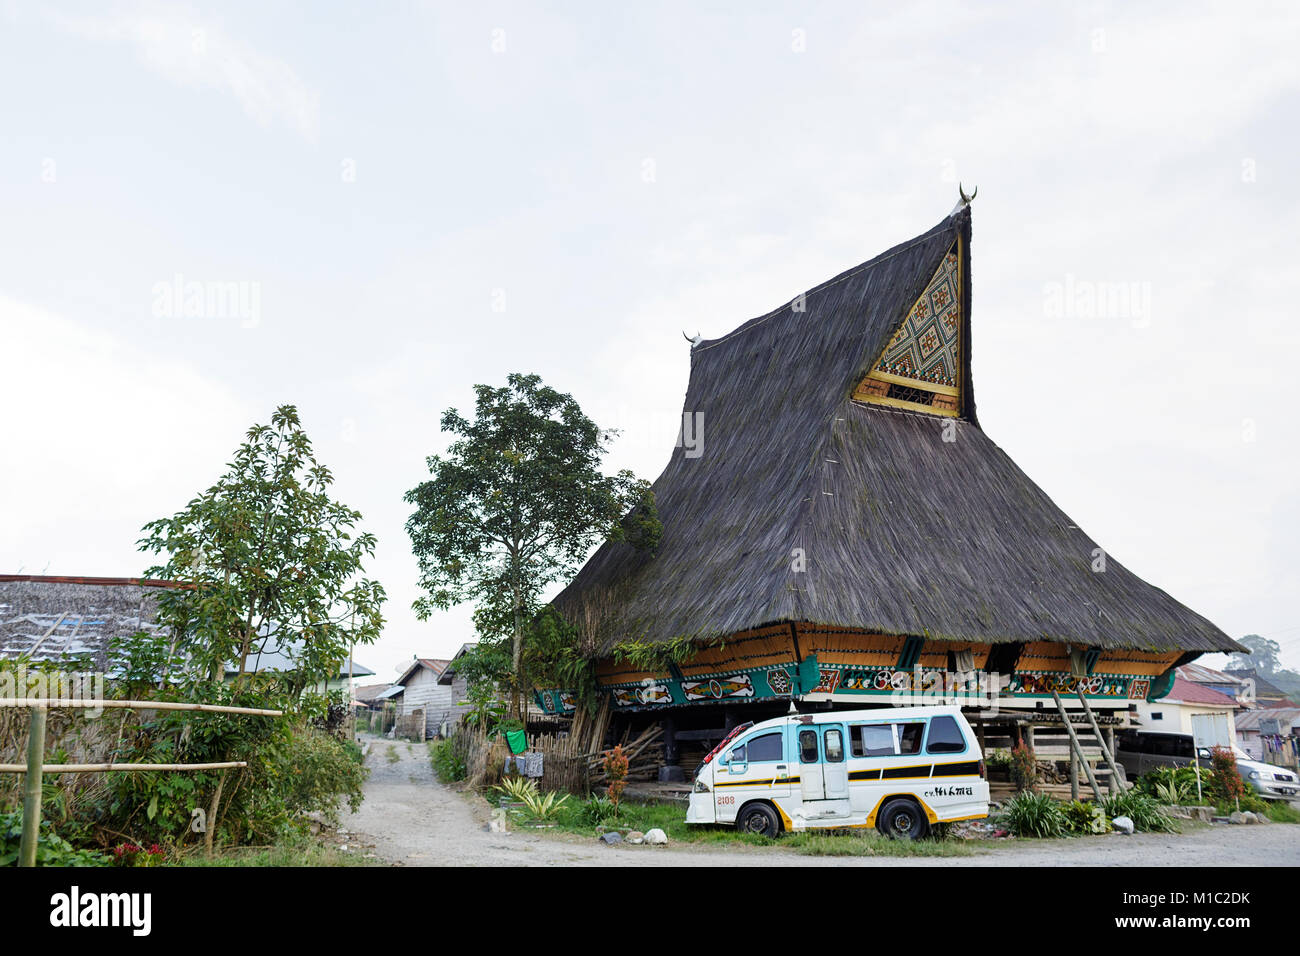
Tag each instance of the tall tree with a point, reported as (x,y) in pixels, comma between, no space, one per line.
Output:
(517,502)
(1263,657)
(267,553)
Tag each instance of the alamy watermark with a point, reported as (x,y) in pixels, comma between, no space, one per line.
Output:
(183,298)
(1076,298)
(22,683)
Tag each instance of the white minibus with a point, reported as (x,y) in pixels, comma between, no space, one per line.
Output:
(899,770)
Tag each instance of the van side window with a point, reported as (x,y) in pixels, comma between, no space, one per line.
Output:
(834,746)
(766,747)
(909,738)
(807,746)
(872,740)
(945,736)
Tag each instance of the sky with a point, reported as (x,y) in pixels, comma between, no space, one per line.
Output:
(385,204)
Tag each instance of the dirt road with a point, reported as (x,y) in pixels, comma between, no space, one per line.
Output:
(412,820)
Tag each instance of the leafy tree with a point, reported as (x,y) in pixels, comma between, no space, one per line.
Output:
(265,556)
(517,503)
(266,551)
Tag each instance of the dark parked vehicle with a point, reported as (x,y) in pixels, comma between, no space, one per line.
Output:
(1140,753)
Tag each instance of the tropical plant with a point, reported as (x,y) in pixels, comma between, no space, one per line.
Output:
(1147,814)
(1030,814)
(129,854)
(517,789)
(1084,817)
(51,849)
(1024,766)
(543,806)
(516,504)
(1226,785)
(599,809)
(1172,786)
(616,767)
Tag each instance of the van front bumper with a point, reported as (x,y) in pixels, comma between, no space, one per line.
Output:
(701,809)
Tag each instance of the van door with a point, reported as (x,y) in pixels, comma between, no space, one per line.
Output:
(823,769)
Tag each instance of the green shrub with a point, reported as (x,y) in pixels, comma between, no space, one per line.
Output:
(1172,786)
(448,762)
(599,809)
(1084,817)
(1142,808)
(1030,814)
(51,849)
(998,760)
(316,770)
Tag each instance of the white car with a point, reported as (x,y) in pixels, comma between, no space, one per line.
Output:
(1276,783)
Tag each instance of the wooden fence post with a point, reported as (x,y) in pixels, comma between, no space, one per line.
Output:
(32,789)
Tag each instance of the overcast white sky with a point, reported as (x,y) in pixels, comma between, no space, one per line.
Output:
(419,197)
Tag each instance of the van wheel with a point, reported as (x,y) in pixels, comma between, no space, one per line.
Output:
(761,819)
(902,820)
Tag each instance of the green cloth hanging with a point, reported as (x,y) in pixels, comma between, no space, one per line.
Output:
(517,740)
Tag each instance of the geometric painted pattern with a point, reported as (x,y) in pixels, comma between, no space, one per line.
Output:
(924,348)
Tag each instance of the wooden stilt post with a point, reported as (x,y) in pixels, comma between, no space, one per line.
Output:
(32,788)
(1101,742)
(1074,775)
(1077,747)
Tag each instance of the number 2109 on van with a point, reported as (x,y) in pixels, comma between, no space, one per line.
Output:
(899,770)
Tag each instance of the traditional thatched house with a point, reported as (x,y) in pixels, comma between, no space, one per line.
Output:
(836,517)
(78,622)
(60,619)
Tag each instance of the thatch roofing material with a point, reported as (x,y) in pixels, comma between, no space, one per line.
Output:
(903,532)
(56,619)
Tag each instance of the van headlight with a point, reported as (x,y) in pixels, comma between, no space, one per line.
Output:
(1254,775)
(701,786)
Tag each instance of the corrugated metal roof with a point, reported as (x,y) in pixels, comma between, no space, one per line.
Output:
(1187,692)
(1286,716)
(1200,674)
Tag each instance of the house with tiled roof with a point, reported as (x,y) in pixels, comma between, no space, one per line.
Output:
(1173,713)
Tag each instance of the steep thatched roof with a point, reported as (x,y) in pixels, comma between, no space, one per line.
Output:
(901,531)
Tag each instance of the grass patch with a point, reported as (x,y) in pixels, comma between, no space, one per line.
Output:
(870,843)
(299,851)
(1279,811)
(392,753)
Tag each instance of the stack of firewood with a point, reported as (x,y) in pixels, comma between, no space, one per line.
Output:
(643,757)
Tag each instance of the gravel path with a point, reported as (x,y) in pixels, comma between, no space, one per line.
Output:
(412,820)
